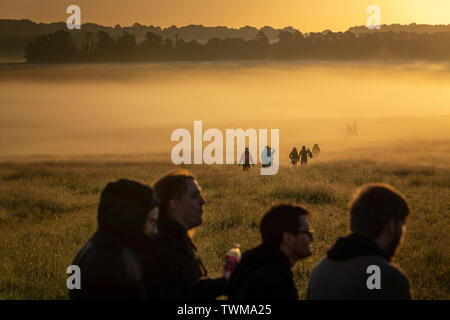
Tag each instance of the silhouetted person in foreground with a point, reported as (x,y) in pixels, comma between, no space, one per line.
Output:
(265,271)
(358,266)
(110,262)
(175,271)
(246,160)
(304,154)
(294,156)
(316,150)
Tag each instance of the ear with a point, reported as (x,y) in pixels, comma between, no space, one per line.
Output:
(174,205)
(389,228)
(288,238)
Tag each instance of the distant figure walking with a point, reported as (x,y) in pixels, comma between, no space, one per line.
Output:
(246,160)
(304,154)
(352,131)
(266,157)
(316,150)
(349,129)
(294,156)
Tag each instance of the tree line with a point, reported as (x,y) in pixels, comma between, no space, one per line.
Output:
(102,47)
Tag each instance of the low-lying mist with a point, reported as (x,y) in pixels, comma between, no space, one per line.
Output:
(133,108)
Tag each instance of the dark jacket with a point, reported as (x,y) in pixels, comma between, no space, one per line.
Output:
(264,273)
(110,261)
(343,273)
(109,270)
(173,270)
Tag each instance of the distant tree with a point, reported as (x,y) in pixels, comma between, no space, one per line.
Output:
(285,37)
(151,46)
(167,49)
(105,46)
(179,47)
(262,39)
(152,39)
(193,50)
(88,47)
(126,46)
(54,47)
(292,44)
(260,46)
(284,48)
(179,41)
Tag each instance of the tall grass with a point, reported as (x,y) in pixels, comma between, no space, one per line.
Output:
(48,210)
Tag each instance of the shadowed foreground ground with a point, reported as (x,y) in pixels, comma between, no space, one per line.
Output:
(48,210)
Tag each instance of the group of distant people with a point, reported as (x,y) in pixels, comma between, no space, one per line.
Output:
(303,154)
(247,160)
(295,156)
(143,248)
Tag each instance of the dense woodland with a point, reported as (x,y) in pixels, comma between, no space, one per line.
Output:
(16,34)
(52,42)
(101,46)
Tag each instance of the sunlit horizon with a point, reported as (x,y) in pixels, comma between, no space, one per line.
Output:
(303,15)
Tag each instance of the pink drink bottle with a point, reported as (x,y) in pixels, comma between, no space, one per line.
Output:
(233,256)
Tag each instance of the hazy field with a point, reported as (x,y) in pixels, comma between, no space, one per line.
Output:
(48,210)
(68,130)
(133,108)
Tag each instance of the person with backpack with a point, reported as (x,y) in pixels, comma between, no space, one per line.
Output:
(304,154)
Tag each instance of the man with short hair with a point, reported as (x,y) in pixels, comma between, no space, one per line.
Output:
(358,266)
(176,271)
(265,271)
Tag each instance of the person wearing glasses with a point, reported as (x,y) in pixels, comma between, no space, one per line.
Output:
(358,265)
(265,272)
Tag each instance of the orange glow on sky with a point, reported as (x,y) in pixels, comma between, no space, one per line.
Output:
(306,15)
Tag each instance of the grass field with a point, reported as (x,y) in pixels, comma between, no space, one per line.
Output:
(48,210)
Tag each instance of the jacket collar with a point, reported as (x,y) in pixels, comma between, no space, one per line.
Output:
(264,254)
(173,228)
(355,245)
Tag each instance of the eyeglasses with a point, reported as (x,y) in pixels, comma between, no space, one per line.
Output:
(309,232)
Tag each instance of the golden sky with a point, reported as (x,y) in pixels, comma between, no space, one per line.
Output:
(306,15)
